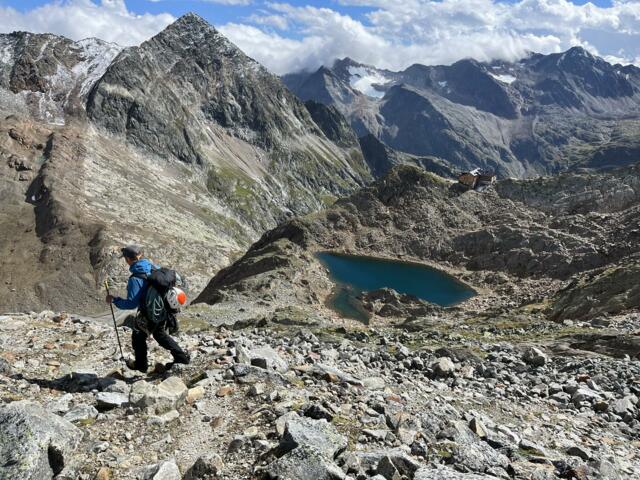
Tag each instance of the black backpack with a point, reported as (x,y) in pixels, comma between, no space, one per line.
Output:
(155,308)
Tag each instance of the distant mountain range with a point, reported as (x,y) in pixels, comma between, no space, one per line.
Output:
(540,115)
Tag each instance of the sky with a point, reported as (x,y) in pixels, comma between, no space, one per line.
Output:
(295,35)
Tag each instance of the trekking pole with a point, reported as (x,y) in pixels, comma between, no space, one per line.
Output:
(113,315)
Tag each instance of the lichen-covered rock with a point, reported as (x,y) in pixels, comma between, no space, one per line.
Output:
(319,435)
(304,463)
(34,444)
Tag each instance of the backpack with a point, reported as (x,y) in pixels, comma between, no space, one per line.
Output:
(155,310)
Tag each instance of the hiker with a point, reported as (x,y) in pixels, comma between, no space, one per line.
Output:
(137,288)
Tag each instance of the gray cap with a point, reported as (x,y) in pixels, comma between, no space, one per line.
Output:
(131,251)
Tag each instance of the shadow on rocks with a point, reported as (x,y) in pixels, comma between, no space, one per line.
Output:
(76,382)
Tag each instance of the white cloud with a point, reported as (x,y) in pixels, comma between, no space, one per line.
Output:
(219,2)
(394,34)
(77,19)
(398,33)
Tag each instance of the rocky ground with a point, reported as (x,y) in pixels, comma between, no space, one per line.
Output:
(286,394)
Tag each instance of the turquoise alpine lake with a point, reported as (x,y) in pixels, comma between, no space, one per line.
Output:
(354,275)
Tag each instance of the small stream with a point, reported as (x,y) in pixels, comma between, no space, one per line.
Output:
(354,275)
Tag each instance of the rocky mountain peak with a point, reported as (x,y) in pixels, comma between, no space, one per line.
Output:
(192,36)
(579,52)
(346,62)
(191,24)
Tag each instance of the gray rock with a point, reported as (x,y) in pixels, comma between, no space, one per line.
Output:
(478,427)
(60,405)
(264,357)
(304,463)
(583,394)
(162,398)
(117,386)
(388,470)
(443,367)
(109,400)
(81,413)
(317,412)
(426,473)
(325,370)
(35,444)
(576,451)
(477,456)
(5,367)
(166,470)
(374,383)
(207,466)
(535,357)
(317,434)
(622,406)
(532,448)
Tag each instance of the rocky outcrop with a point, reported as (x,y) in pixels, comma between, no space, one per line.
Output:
(49,76)
(577,193)
(382,158)
(332,124)
(605,291)
(36,445)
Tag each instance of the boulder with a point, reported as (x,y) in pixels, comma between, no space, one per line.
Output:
(61,404)
(206,466)
(535,357)
(194,394)
(5,367)
(166,470)
(81,413)
(328,372)
(478,427)
(263,357)
(425,473)
(388,470)
(443,367)
(532,448)
(35,444)
(622,406)
(109,400)
(317,434)
(166,396)
(304,463)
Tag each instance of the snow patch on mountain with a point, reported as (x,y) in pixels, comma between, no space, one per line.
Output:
(98,55)
(365,81)
(504,78)
(6,51)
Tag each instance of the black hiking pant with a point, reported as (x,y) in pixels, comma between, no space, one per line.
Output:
(139,343)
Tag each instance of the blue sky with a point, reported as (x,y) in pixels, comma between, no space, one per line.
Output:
(215,13)
(297,34)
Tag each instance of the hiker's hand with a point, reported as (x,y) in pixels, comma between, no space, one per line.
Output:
(110,298)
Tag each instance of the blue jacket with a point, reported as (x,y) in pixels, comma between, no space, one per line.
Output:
(136,287)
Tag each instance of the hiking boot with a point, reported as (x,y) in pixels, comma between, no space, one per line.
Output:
(183,358)
(131,365)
